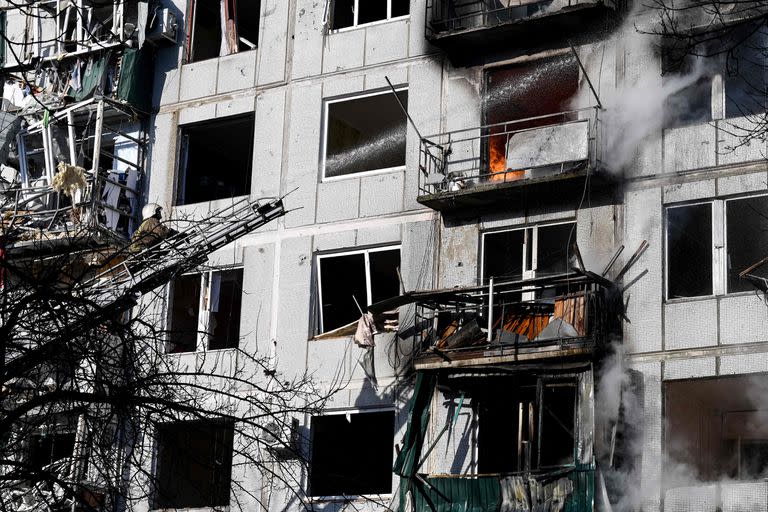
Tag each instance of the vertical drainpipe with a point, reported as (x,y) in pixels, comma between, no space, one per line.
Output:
(490,310)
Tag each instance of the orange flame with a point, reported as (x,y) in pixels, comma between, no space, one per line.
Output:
(497,161)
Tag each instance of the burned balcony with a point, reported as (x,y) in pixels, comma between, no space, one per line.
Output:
(490,165)
(466,27)
(564,317)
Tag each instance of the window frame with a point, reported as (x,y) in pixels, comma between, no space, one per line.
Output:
(350,411)
(528,271)
(719,246)
(324,144)
(189,39)
(366,252)
(355,13)
(203,335)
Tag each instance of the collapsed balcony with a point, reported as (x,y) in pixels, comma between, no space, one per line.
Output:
(489,165)
(564,317)
(463,27)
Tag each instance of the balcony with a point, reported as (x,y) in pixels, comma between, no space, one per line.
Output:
(564,317)
(464,28)
(488,166)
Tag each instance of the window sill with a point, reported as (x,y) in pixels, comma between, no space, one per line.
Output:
(365,25)
(681,300)
(190,63)
(357,498)
(201,352)
(375,172)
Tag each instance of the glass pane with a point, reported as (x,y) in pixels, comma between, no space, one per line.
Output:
(747,239)
(342,278)
(184,308)
(689,251)
(226,302)
(371,10)
(343,13)
(553,250)
(400,7)
(503,255)
(365,134)
(385,282)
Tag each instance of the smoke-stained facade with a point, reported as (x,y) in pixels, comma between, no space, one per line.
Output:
(550,249)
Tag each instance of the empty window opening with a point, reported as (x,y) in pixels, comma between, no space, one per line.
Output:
(364,134)
(689,250)
(746,239)
(194,464)
(544,87)
(536,251)
(222,27)
(690,85)
(717,427)
(216,159)
(349,282)
(204,311)
(46,448)
(350,13)
(352,454)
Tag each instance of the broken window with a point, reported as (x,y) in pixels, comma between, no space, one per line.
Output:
(46,448)
(215,159)
(364,134)
(194,464)
(544,87)
(352,454)
(717,427)
(350,282)
(204,310)
(222,27)
(690,88)
(689,250)
(525,253)
(351,13)
(731,232)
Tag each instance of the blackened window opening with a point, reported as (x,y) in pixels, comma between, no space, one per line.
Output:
(184,310)
(747,239)
(368,11)
(365,134)
(689,251)
(226,297)
(223,27)
(352,454)
(216,159)
(194,464)
(558,424)
(45,449)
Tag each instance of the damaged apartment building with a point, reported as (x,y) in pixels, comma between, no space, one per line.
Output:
(524,237)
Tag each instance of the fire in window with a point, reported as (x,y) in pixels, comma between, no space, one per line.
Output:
(194,464)
(543,90)
(215,159)
(222,27)
(349,282)
(709,244)
(717,427)
(350,13)
(352,454)
(204,311)
(364,134)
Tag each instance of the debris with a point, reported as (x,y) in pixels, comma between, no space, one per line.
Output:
(69,180)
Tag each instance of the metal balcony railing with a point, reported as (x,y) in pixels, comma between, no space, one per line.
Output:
(512,151)
(512,314)
(447,16)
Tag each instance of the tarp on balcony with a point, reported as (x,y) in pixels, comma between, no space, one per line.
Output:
(406,464)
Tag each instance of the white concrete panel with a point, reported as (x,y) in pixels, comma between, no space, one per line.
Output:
(331,206)
(651,463)
(344,50)
(459,254)
(293,302)
(329,359)
(233,107)
(390,234)
(752,182)
(689,191)
(273,41)
(268,143)
(308,38)
(453,452)
(744,497)
(691,499)
(381,194)
(162,160)
(744,363)
(334,241)
(689,368)
(690,324)
(237,71)
(259,282)
(417,255)
(342,85)
(734,144)
(742,319)
(386,42)
(643,222)
(303,152)
(197,113)
(689,147)
(198,79)
(424,106)
(397,74)
(165,86)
